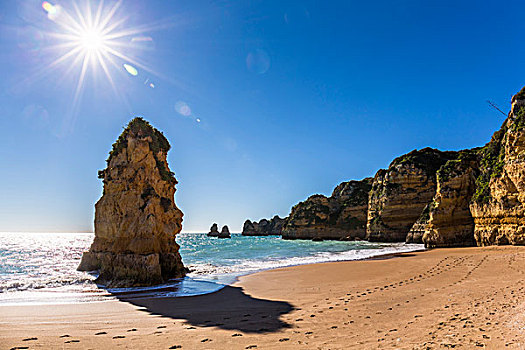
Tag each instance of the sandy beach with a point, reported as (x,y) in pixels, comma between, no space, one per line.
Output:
(443,298)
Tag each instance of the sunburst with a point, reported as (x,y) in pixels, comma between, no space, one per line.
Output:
(93,38)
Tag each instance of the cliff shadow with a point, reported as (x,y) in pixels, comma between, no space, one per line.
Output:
(228,308)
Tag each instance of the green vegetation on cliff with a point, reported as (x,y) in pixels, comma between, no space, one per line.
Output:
(491,165)
(428,159)
(138,127)
(456,166)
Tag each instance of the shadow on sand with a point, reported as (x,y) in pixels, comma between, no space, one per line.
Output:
(229,308)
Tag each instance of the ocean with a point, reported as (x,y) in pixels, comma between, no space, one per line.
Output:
(40,268)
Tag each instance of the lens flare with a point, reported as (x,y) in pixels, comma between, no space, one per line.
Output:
(130,69)
(50,9)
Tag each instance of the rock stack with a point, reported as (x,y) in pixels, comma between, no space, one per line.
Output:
(136,218)
(214,231)
(225,232)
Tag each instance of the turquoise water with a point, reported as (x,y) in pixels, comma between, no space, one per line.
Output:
(41,267)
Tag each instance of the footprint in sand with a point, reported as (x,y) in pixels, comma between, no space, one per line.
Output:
(65,336)
(190,327)
(28,339)
(72,341)
(205,340)
(132,330)
(251,347)
(159,327)
(237,335)
(119,337)
(176,347)
(100,333)
(19,347)
(284,339)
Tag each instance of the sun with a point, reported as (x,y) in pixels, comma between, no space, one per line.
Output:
(92,41)
(93,37)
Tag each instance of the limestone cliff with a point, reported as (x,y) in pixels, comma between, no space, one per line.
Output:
(264,227)
(400,193)
(498,206)
(450,223)
(340,216)
(136,218)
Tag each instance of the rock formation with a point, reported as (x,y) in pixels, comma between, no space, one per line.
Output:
(450,223)
(442,199)
(136,218)
(340,216)
(498,206)
(400,193)
(264,227)
(225,232)
(214,231)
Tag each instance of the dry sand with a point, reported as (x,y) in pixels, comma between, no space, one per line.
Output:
(444,298)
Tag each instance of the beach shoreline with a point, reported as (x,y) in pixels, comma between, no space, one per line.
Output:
(451,297)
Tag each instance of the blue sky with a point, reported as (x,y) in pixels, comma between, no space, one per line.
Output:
(264,102)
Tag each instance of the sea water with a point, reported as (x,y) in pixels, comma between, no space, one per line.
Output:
(38,268)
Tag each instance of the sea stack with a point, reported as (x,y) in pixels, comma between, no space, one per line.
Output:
(136,218)
(214,231)
(225,232)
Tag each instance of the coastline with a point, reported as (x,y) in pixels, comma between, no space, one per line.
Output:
(444,297)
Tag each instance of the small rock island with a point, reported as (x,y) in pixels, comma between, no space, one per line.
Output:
(214,231)
(136,218)
(225,232)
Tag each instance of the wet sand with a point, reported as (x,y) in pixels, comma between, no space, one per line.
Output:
(444,298)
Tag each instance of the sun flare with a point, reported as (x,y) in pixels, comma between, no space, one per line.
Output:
(94,38)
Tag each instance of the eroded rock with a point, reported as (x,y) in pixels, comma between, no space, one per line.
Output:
(136,218)
(340,216)
(400,193)
(264,227)
(498,206)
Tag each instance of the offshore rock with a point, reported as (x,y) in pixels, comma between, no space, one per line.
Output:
(214,231)
(264,227)
(400,193)
(498,206)
(225,232)
(341,216)
(136,218)
(450,223)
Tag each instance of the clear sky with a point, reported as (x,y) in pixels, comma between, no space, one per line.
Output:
(264,102)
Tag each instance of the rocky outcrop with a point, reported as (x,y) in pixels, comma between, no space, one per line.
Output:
(498,206)
(214,231)
(136,218)
(264,227)
(340,216)
(450,223)
(415,235)
(225,232)
(400,193)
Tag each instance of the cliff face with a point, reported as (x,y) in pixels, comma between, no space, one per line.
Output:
(400,193)
(340,216)
(498,206)
(136,218)
(264,227)
(450,223)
